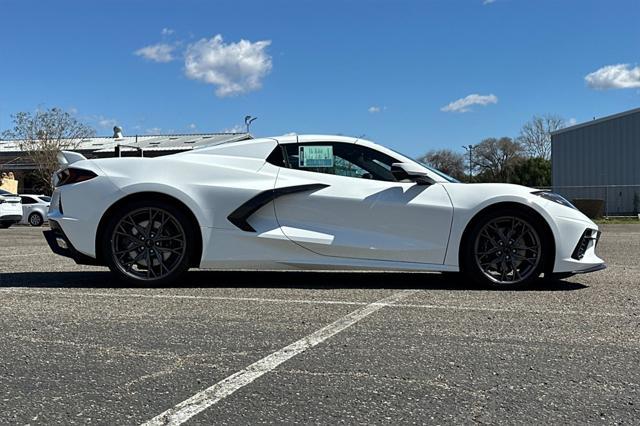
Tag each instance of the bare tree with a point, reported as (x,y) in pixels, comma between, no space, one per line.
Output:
(496,158)
(445,160)
(535,135)
(43,134)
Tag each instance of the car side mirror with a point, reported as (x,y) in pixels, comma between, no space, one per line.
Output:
(402,171)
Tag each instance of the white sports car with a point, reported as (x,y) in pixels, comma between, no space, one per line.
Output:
(308,202)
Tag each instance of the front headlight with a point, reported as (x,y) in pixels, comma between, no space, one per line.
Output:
(556,198)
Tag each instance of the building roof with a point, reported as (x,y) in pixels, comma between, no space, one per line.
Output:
(597,121)
(179,142)
(155,143)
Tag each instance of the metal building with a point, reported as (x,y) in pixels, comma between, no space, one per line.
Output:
(600,159)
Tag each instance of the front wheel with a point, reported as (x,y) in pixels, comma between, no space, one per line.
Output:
(505,250)
(148,243)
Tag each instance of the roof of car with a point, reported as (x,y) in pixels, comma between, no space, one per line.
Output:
(293,138)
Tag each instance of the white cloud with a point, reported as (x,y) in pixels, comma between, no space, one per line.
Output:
(192,126)
(154,131)
(464,104)
(486,2)
(167,31)
(161,52)
(104,122)
(233,68)
(620,76)
(73,111)
(374,109)
(571,122)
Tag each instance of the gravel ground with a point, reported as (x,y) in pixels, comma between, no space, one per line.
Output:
(77,347)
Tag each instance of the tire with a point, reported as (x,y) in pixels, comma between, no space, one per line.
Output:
(5,225)
(35,219)
(505,249)
(148,232)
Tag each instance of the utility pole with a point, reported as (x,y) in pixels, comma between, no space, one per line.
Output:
(470,148)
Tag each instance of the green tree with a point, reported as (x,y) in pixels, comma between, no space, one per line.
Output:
(532,172)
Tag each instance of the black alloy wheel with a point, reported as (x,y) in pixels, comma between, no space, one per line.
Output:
(149,244)
(505,250)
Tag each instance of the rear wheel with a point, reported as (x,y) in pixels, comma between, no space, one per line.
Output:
(148,243)
(505,249)
(35,219)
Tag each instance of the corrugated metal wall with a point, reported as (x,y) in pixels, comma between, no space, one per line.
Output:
(603,157)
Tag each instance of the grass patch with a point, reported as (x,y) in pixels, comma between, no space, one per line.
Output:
(618,221)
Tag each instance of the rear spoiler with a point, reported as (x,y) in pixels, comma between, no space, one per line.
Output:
(66,158)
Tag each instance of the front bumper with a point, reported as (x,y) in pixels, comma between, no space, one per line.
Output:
(60,244)
(589,238)
(561,275)
(575,242)
(599,267)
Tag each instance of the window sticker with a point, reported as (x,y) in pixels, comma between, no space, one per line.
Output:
(315,156)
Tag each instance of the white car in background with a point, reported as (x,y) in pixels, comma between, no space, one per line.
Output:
(34,209)
(10,209)
(308,202)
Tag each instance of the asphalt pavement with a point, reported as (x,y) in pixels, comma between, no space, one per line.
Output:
(76,347)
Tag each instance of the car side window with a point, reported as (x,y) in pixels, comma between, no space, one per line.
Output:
(28,200)
(341,159)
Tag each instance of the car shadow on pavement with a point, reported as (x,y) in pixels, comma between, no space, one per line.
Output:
(272,279)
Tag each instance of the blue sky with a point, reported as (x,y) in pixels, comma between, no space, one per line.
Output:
(385,69)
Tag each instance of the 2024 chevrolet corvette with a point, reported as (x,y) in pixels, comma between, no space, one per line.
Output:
(308,202)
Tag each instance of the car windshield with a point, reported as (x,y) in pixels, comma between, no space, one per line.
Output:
(439,173)
(436,171)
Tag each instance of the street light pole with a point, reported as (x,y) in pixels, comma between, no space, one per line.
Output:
(248,120)
(469,148)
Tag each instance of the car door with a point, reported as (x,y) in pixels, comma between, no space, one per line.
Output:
(356,208)
(27,205)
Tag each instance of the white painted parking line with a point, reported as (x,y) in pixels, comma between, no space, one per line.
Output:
(516,310)
(187,296)
(210,396)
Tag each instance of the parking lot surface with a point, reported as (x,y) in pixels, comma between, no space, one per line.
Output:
(77,347)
